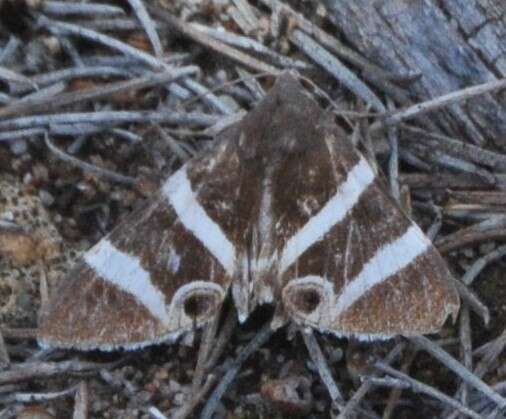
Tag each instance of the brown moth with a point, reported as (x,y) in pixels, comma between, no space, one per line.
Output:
(282,210)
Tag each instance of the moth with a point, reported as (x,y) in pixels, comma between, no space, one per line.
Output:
(282,210)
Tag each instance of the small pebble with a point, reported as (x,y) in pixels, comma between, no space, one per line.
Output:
(46,198)
(18,147)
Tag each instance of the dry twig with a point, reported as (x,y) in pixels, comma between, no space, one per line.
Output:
(88,167)
(81,401)
(336,69)
(422,108)
(33,105)
(231,371)
(426,389)
(318,358)
(213,44)
(452,364)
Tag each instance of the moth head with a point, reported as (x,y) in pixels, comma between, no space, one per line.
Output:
(308,300)
(194,304)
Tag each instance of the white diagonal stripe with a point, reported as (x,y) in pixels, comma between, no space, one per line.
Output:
(387,261)
(125,272)
(178,191)
(333,212)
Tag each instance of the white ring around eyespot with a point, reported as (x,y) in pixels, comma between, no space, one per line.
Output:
(311,280)
(181,293)
(177,316)
(305,283)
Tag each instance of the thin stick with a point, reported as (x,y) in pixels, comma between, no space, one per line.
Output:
(5,99)
(375,74)
(251,83)
(486,199)
(236,15)
(491,355)
(33,105)
(35,397)
(335,68)
(68,47)
(11,76)
(213,44)
(126,62)
(492,227)
(248,13)
(81,401)
(4,355)
(112,118)
(245,42)
(175,148)
(115,25)
(188,408)
(260,338)
(433,155)
(396,393)
(408,157)
(436,225)
(63,8)
(457,148)
(479,264)
(148,25)
(45,93)
(209,97)
(67,74)
(321,364)
(223,339)
(246,78)
(155,413)
(62,28)
(426,389)
(486,347)
(207,339)
(442,101)
(367,385)
(88,167)
(477,400)
(459,369)
(466,348)
(28,371)
(473,301)
(81,131)
(10,49)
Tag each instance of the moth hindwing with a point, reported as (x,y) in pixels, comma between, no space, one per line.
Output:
(282,210)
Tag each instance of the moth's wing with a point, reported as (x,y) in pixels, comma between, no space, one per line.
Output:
(164,270)
(351,262)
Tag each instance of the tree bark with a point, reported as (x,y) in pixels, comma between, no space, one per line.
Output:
(451,44)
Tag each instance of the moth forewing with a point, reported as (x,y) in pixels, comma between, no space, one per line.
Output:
(151,279)
(283,209)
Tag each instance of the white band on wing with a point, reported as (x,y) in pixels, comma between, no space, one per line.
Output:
(387,261)
(334,211)
(125,271)
(179,192)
